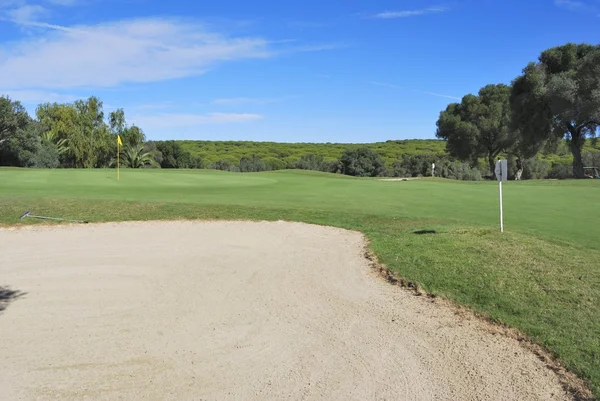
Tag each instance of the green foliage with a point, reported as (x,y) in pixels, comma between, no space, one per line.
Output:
(223,165)
(362,162)
(13,117)
(173,154)
(560,171)
(20,148)
(478,126)
(559,97)
(47,155)
(13,135)
(290,153)
(253,164)
(535,169)
(136,156)
(80,125)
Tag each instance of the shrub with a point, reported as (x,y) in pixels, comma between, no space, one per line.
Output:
(362,162)
(534,169)
(561,171)
(253,165)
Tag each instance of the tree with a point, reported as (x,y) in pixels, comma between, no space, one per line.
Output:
(82,125)
(13,117)
(133,136)
(362,162)
(559,97)
(135,156)
(116,122)
(479,126)
(21,148)
(61,144)
(253,164)
(173,155)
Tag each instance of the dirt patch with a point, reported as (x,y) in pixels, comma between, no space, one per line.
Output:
(237,310)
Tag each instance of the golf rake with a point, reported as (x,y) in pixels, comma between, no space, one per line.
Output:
(28,214)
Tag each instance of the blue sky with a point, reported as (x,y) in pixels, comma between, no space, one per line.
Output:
(301,71)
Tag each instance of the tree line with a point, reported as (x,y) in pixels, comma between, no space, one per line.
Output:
(555,99)
(545,123)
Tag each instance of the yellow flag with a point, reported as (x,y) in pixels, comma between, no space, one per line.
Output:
(119,140)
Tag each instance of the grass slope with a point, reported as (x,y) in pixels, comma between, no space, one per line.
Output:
(542,276)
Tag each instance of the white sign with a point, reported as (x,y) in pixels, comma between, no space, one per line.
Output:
(501,170)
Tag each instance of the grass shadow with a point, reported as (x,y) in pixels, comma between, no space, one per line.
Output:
(7,296)
(425,232)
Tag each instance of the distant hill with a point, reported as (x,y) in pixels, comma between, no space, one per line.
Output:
(289,153)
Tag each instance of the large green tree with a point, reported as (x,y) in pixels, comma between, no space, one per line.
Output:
(559,97)
(81,125)
(479,126)
(13,117)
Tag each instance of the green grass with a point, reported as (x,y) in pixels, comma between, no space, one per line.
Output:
(542,276)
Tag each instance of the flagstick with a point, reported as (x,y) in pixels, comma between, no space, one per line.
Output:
(118,171)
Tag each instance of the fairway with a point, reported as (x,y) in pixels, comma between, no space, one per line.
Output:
(541,276)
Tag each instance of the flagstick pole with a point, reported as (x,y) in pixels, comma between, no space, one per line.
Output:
(118,171)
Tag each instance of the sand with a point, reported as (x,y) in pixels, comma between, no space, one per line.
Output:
(236,311)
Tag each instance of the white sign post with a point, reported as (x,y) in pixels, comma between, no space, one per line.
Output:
(501,175)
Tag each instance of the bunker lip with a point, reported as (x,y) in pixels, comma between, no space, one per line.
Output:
(222,309)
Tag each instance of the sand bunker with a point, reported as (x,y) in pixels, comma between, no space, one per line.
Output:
(235,311)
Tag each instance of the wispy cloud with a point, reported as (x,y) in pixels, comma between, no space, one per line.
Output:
(579,6)
(142,50)
(236,101)
(174,120)
(410,13)
(570,4)
(387,85)
(25,13)
(127,51)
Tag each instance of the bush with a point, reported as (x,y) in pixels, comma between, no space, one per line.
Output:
(253,165)
(455,170)
(47,156)
(334,166)
(398,170)
(362,162)
(224,165)
(275,163)
(534,169)
(591,158)
(561,171)
(310,162)
(196,162)
(173,155)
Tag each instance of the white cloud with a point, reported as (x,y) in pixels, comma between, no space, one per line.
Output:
(142,50)
(410,13)
(174,120)
(26,13)
(35,97)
